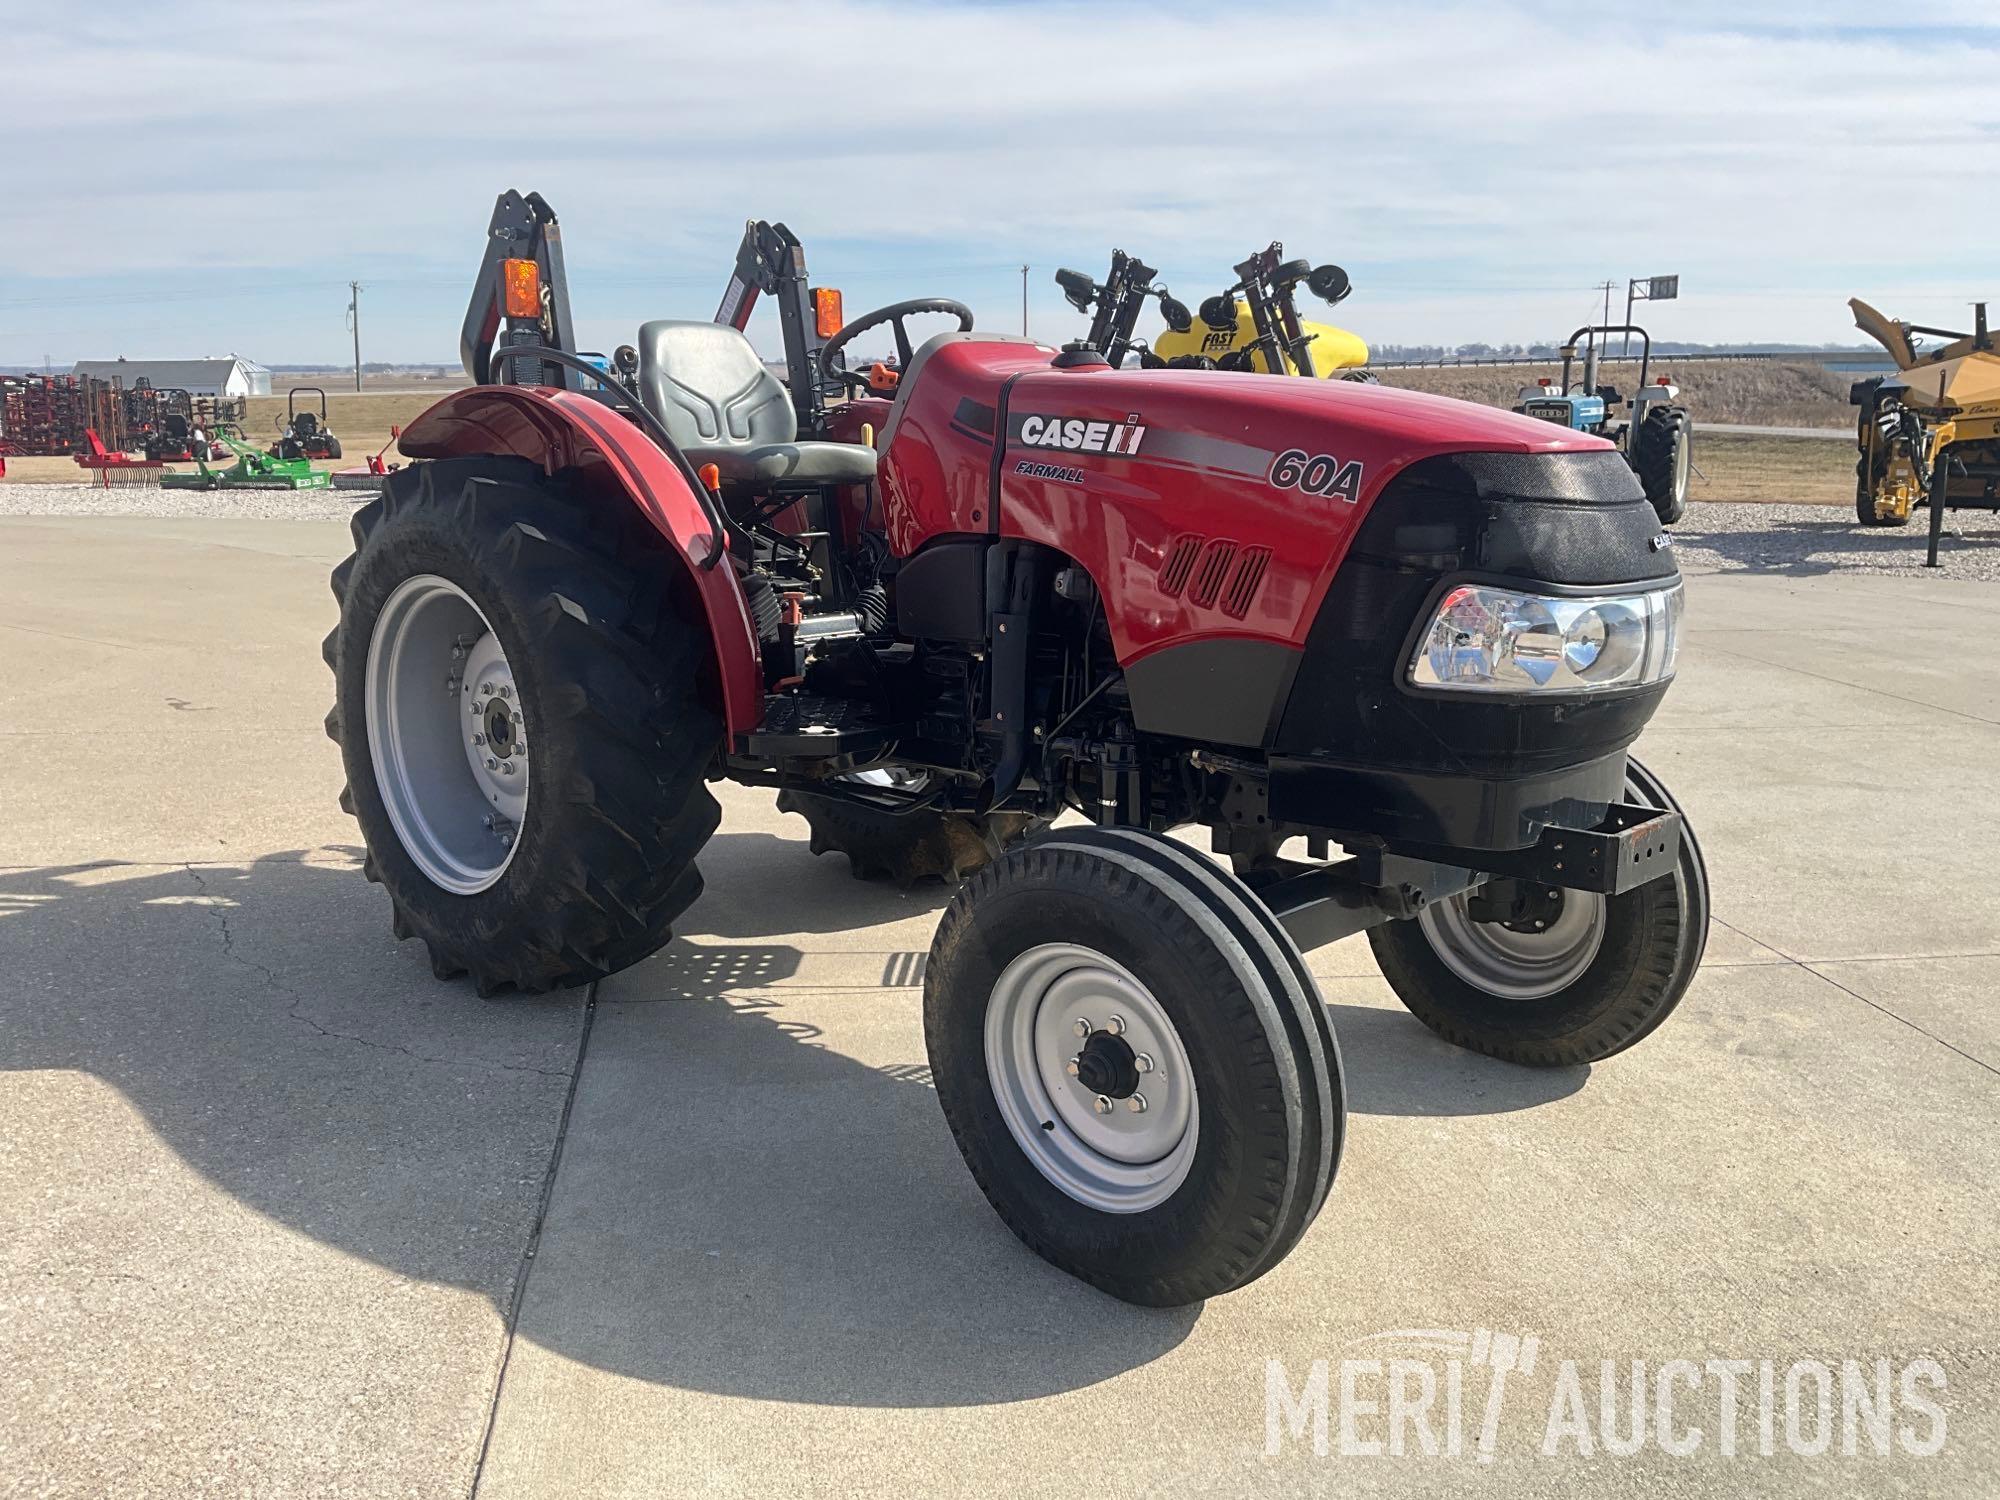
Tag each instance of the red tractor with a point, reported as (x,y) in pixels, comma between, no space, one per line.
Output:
(1296,613)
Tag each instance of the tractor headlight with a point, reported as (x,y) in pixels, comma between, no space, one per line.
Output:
(1492,640)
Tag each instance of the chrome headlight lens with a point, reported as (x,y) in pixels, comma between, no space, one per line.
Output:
(1492,640)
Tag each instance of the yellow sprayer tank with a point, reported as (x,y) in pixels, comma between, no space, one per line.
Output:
(1333,349)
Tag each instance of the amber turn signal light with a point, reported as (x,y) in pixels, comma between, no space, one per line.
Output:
(827,320)
(520,289)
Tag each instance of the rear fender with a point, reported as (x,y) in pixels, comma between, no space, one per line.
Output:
(561,429)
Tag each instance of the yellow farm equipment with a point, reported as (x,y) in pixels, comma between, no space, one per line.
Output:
(1930,433)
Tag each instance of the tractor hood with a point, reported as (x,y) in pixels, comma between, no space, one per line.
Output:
(1245,425)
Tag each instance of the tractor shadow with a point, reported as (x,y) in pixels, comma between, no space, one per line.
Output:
(757,1193)
(741,1208)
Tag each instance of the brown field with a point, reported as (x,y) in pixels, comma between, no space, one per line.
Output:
(1756,393)
(1805,471)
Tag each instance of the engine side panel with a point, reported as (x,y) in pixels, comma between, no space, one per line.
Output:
(936,471)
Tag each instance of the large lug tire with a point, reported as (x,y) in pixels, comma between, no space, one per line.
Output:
(1602,974)
(572,864)
(332,448)
(1159,977)
(1663,457)
(927,844)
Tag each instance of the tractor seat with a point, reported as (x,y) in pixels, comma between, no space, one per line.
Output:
(721,406)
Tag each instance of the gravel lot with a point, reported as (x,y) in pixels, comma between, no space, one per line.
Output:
(1798,540)
(1803,541)
(151,500)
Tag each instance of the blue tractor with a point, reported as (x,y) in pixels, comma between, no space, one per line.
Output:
(1652,429)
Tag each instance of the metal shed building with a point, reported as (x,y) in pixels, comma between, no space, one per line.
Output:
(226,375)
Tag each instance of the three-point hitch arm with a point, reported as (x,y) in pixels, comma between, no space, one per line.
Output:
(523,228)
(771,262)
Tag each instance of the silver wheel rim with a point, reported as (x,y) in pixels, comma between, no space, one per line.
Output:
(446,734)
(1683,458)
(1109,1153)
(1517,965)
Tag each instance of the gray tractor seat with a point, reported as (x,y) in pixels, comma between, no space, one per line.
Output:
(721,406)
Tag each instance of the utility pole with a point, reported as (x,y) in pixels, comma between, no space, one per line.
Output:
(1024,302)
(354,322)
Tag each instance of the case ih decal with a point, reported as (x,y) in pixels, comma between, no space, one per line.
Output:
(1317,474)
(1076,436)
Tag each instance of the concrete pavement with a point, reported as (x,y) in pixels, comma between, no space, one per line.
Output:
(272,1199)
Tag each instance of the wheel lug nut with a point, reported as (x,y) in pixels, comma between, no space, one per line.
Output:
(1137,1104)
(1082,1027)
(1116,1026)
(479,739)
(1103,1105)
(505,691)
(491,763)
(486,688)
(1070,1067)
(1143,1062)
(507,766)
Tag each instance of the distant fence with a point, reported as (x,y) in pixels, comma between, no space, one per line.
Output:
(1835,359)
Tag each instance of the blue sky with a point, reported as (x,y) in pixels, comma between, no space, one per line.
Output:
(1476,167)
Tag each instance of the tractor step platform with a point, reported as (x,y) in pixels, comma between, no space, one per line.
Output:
(804,726)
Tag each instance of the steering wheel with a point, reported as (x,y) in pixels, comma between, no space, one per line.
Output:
(894,313)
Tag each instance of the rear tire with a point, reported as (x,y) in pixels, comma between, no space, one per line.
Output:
(1607,972)
(1142,941)
(1665,454)
(907,847)
(332,448)
(579,873)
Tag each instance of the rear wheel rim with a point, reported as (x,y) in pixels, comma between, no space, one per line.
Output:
(447,734)
(1518,962)
(1092,1078)
(1683,458)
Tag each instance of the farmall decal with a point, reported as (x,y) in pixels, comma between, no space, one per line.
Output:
(1073,435)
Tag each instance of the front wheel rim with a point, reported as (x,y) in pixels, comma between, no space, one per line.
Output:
(447,734)
(1518,961)
(1092,1078)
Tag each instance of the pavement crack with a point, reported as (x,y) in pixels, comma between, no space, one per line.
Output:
(534,1244)
(1811,967)
(1895,1016)
(296,1009)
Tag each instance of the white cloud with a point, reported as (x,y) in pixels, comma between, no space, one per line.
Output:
(1477,165)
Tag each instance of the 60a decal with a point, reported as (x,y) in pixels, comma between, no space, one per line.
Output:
(1317,474)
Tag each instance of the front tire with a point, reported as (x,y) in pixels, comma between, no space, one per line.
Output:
(1093,968)
(518,705)
(1598,977)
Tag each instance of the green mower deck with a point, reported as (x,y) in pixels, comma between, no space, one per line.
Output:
(253,470)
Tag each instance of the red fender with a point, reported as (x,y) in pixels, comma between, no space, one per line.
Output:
(566,430)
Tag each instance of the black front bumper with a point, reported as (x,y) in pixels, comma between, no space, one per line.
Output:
(1435,809)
